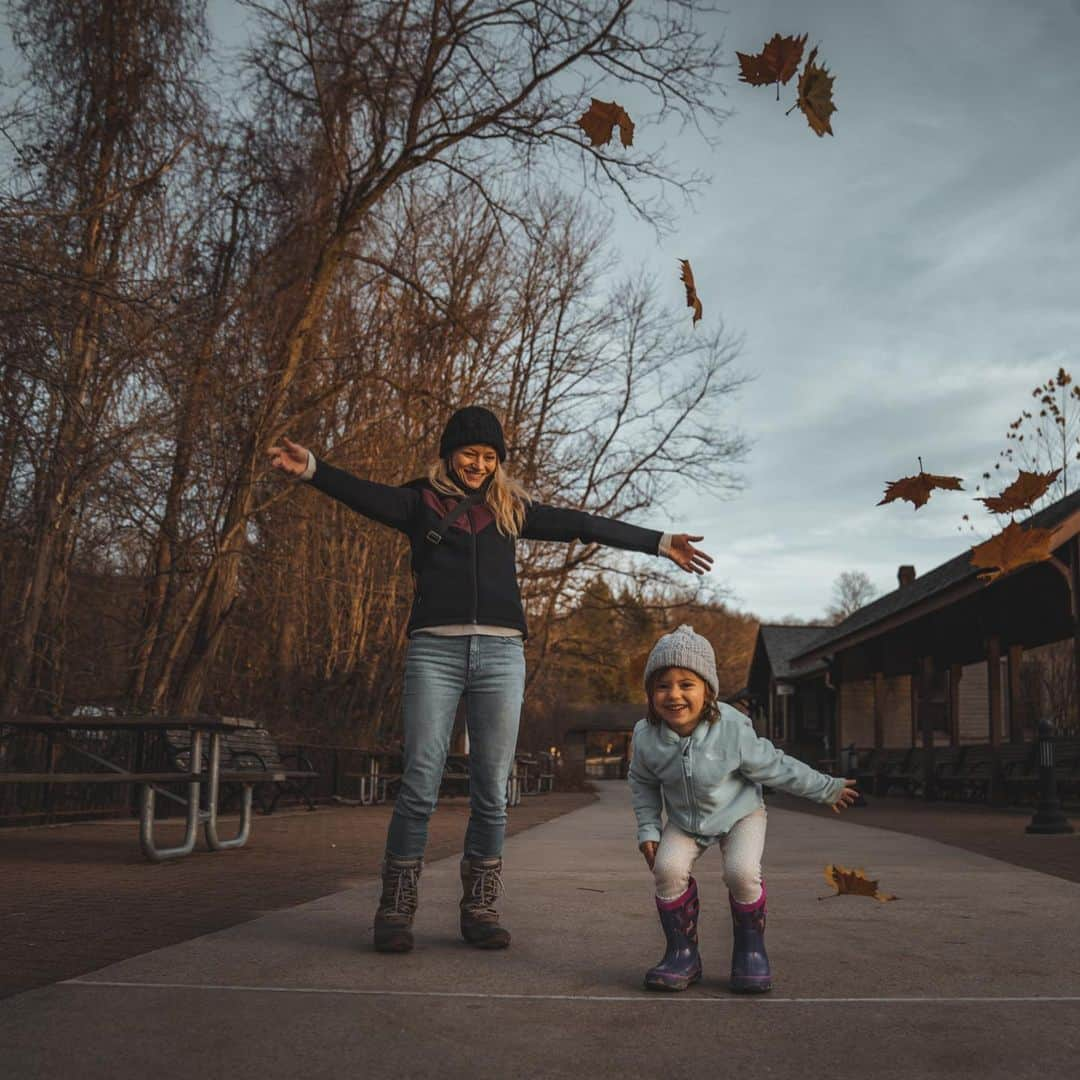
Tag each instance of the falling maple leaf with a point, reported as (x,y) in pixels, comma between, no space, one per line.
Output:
(776,62)
(1021,493)
(815,95)
(687,278)
(599,120)
(854,883)
(916,489)
(1012,548)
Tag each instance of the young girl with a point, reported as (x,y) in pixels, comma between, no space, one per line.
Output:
(703,759)
(466,632)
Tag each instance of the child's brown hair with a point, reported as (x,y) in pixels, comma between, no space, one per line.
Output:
(710,713)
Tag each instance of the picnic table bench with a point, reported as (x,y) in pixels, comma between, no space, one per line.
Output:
(375,781)
(250,752)
(376,786)
(194,767)
(1020,772)
(536,773)
(902,768)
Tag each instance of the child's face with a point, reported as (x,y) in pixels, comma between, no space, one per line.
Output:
(678,698)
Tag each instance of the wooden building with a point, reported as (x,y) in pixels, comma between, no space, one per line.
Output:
(946,659)
(791,703)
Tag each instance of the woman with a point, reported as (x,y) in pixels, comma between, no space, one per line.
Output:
(466,635)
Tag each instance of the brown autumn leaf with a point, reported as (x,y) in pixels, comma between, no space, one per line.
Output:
(1021,493)
(776,62)
(599,120)
(687,278)
(1012,548)
(815,95)
(854,883)
(916,489)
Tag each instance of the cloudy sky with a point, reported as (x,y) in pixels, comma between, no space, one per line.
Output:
(901,286)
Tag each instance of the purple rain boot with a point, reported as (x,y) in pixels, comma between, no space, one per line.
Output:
(681,965)
(750,972)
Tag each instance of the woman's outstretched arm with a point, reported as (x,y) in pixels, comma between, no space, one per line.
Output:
(544,522)
(389,505)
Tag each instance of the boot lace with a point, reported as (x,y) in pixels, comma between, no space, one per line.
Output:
(487,886)
(404,898)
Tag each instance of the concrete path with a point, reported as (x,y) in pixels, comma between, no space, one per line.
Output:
(973,972)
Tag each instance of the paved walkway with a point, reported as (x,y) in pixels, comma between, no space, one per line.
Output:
(974,972)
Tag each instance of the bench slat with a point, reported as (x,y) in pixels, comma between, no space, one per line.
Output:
(100,778)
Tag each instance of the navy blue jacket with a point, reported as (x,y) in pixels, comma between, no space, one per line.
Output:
(471,577)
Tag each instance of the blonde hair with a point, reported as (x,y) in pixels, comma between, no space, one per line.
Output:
(505,497)
(710,713)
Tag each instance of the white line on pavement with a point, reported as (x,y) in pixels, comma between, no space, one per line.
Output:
(692,997)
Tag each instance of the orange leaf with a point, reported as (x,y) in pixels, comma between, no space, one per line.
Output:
(776,62)
(599,121)
(916,489)
(854,883)
(687,278)
(815,95)
(1012,548)
(1021,493)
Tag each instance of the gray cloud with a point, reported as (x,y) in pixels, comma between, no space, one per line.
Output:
(901,286)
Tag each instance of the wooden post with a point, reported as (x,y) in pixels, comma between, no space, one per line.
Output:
(915,707)
(926,723)
(839,698)
(879,713)
(1016,726)
(993,686)
(1074,598)
(956,672)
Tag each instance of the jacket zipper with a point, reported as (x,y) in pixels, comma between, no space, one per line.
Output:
(688,784)
(476,570)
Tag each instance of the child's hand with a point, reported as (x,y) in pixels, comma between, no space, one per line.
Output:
(684,554)
(847,796)
(648,849)
(290,458)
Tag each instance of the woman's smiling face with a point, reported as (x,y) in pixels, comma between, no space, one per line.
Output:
(678,698)
(474,464)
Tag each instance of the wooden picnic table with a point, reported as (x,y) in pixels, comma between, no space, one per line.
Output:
(214,726)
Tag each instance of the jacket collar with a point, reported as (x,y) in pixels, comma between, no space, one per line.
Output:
(666,735)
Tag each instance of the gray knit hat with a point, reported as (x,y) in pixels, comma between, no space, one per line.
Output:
(683,648)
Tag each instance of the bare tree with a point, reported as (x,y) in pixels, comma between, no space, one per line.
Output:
(852,590)
(1048,439)
(354,97)
(110,109)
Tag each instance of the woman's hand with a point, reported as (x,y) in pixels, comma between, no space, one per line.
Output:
(290,458)
(690,558)
(847,796)
(648,849)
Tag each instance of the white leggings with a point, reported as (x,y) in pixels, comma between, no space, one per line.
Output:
(742,848)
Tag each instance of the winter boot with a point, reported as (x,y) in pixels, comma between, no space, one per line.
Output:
(681,965)
(397,905)
(481,886)
(750,972)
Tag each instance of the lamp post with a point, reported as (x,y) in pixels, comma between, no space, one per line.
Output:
(1048,817)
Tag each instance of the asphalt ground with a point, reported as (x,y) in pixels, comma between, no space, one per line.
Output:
(974,971)
(74,898)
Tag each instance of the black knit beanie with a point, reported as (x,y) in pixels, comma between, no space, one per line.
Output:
(469,426)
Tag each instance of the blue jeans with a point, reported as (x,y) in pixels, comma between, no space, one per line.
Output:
(490,673)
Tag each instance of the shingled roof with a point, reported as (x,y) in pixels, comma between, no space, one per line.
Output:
(783,643)
(956,575)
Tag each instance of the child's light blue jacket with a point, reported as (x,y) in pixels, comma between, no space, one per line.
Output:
(711,778)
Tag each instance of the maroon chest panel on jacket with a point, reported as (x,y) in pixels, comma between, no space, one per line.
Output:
(480,516)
